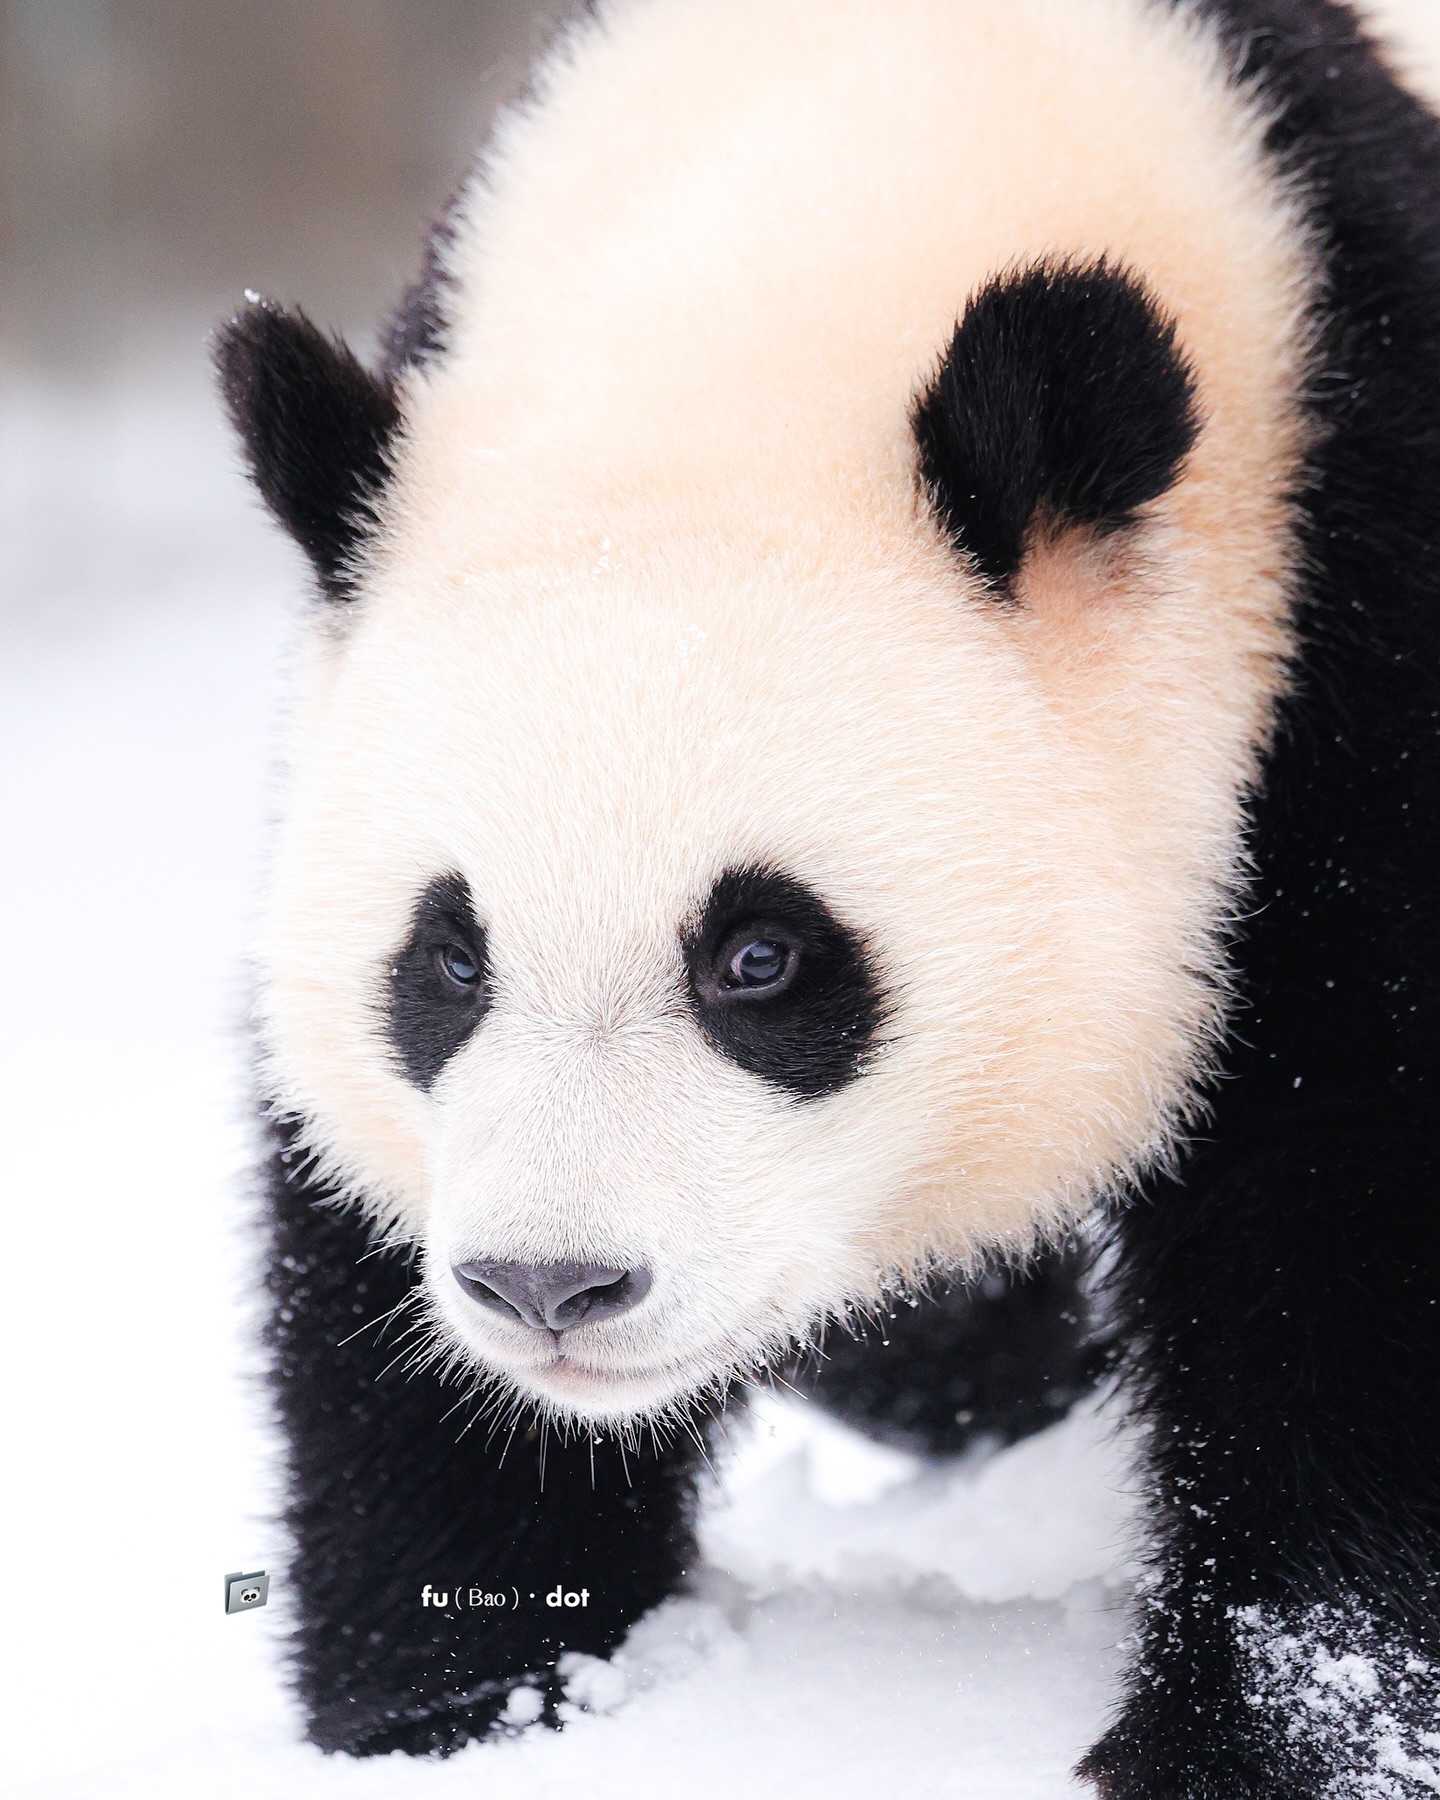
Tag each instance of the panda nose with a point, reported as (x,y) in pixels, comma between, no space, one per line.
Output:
(553,1296)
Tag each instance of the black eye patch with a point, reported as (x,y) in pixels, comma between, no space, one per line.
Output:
(779,985)
(438,989)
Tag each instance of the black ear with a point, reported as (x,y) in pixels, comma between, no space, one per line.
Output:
(419,328)
(317,429)
(1063,399)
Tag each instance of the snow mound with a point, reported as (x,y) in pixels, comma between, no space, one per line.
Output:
(810,1498)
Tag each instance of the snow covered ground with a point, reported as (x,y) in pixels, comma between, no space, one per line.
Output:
(865,1624)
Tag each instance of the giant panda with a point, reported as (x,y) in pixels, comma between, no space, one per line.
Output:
(872,696)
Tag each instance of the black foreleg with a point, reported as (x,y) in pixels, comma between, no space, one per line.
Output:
(424,1552)
(1284,1307)
(992,1359)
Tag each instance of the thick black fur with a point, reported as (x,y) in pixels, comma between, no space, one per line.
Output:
(1282,1295)
(428,1016)
(392,1487)
(811,1039)
(1062,400)
(317,426)
(989,1361)
(317,429)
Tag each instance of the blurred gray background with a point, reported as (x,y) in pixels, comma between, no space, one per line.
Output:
(159,156)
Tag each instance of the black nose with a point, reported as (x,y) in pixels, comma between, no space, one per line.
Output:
(553,1296)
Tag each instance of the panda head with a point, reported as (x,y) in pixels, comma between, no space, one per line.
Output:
(751,838)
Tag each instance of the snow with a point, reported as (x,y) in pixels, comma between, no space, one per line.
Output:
(864,1623)
(1340,1684)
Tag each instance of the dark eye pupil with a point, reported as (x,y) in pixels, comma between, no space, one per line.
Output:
(459,965)
(758,963)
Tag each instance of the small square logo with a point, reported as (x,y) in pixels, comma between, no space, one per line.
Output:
(243,1593)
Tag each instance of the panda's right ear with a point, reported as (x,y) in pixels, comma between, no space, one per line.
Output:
(317,429)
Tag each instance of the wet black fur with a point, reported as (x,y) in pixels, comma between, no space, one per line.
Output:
(428,1018)
(418,332)
(812,1039)
(1282,1296)
(317,426)
(1062,400)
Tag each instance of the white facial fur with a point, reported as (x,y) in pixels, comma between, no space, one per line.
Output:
(657,597)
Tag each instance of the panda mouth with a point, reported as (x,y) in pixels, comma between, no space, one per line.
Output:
(573,1368)
(568,1377)
(553,1356)
(585,1371)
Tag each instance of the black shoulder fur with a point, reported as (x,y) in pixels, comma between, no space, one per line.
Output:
(1281,1296)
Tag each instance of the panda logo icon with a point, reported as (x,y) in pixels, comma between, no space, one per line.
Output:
(243,1593)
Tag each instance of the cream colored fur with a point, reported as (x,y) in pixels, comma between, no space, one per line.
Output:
(1409,30)
(658,595)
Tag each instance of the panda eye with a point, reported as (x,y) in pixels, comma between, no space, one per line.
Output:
(438,986)
(458,966)
(778,985)
(756,962)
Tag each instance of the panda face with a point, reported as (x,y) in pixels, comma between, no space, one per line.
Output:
(751,927)
(772,982)
(767,794)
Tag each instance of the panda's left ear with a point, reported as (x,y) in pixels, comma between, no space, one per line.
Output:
(317,429)
(1062,400)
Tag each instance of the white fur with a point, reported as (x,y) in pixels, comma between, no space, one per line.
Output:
(658,595)
(1409,30)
